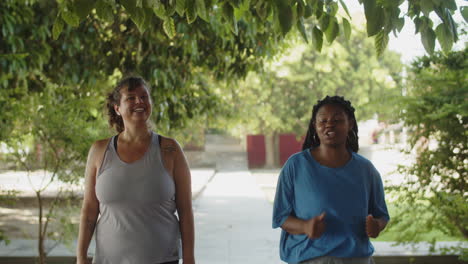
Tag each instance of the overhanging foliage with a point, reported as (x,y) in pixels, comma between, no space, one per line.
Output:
(383,17)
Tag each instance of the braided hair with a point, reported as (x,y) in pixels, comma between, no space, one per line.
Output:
(312,139)
(113,98)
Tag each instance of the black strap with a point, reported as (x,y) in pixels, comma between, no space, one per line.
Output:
(115,141)
(159,140)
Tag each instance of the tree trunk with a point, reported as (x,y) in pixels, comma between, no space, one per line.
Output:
(271,150)
(41,234)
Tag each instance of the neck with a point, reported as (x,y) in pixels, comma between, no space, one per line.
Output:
(332,155)
(135,133)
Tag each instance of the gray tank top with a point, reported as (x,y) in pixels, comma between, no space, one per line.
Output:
(137,221)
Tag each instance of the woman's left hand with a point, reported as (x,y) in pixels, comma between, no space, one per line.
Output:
(373,226)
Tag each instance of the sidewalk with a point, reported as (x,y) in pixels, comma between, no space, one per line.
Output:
(233,222)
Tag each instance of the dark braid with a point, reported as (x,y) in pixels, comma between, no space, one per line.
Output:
(312,140)
(113,98)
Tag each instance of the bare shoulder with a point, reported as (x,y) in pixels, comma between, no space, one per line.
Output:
(169,145)
(96,152)
(100,145)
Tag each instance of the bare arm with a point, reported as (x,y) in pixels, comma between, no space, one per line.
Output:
(90,207)
(313,227)
(182,179)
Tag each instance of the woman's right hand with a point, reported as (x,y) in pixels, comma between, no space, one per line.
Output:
(315,227)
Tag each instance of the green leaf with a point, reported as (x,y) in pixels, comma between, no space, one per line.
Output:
(324,22)
(464,12)
(235,3)
(332,8)
(319,9)
(169,27)
(285,18)
(428,37)
(201,10)
(374,16)
(452,25)
(152,3)
(191,12)
(71,18)
(228,13)
(180,7)
(170,8)
(139,16)
(449,4)
(399,23)
(445,38)
(381,42)
(301,28)
(317,38)
(332,30)
(104,11)
(346,28)
(426,7)
(300,9)
(57,28)
(307,11)
(345,8)
(261,9)
(417,24)
(160,11)
(83,7)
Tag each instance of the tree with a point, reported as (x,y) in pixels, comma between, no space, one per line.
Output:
(280,99)
(383,17)
(176,45)
(98,52)
(436,111)
(53,133)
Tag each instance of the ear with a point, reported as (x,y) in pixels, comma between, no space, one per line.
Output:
(116,109)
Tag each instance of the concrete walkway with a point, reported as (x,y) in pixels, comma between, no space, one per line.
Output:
(233,222)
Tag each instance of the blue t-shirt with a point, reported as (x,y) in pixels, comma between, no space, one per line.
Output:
(347,195)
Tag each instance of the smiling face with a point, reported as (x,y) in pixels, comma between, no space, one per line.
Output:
(135,105)
(332,125)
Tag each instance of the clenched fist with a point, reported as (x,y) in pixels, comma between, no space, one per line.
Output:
(373,226)
(315,226)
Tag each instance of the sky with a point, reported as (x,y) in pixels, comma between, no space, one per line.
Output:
(407,43)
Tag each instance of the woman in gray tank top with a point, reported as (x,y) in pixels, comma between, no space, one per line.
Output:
(137,198)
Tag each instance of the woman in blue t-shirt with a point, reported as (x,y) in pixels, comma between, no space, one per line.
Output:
(329,199)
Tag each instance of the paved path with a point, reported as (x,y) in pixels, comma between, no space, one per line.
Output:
(233,222)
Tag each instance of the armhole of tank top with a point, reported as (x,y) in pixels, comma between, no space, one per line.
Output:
(161,159)
(104,157)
